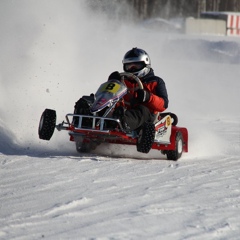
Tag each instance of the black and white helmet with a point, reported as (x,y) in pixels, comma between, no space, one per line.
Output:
(137,61)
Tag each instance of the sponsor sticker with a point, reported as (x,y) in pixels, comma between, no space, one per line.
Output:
(168,121)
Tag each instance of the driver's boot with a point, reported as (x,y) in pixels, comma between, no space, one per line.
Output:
(119,113)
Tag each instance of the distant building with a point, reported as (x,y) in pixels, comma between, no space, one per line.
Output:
(232,21)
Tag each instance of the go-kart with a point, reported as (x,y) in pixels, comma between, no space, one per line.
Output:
(88,131)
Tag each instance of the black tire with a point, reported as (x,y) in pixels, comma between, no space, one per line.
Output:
(83,147)
(47,124)
(146,138)
(177,153)
(175,119)
(86,147)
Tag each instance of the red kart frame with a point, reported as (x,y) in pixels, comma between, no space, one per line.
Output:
(118,136)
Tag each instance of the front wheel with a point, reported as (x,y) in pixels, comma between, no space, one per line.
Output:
(86,147)
(177,153)
(47,124)
(146,138)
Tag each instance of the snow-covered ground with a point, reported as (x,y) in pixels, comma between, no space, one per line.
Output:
(53,52)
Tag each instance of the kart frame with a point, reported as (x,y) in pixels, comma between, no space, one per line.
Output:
(99,133)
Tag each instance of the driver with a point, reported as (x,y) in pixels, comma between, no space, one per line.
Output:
(140,105)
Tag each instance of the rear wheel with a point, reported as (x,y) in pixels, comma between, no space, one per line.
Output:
(47,124)
(146,137)
(177,153)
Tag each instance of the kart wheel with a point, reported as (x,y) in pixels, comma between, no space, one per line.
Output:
(177,153)
(146,138)
(83,147)
(174,118)
(86,147)
(47,124)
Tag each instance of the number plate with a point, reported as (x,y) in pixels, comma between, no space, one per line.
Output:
(110,87)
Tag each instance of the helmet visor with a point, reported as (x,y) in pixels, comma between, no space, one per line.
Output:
(134,66)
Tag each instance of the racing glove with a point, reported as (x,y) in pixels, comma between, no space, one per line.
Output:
(114,75)
(141,96)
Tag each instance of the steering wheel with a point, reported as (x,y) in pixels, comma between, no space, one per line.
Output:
(132,76)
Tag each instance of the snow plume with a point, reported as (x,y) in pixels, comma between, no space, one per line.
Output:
(54,52)
(50,57)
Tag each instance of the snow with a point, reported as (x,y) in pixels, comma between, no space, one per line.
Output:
(52,53)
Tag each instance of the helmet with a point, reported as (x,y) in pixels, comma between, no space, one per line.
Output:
(137,61)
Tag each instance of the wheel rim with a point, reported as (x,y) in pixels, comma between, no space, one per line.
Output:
(41,123)
(180,146)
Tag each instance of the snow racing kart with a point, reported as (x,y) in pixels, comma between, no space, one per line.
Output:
(88,131)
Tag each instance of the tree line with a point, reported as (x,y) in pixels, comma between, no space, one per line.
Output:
(182,8)
(145,9)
